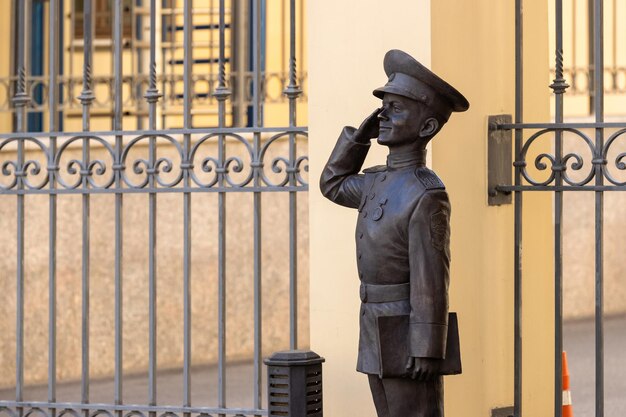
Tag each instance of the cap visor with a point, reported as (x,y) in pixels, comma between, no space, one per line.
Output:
(380,92)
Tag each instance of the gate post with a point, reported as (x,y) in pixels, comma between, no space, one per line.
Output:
(294,384)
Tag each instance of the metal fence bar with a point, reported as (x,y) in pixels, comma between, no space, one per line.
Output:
(598,17)
(53,59)
(187,94)
(293,92)
(519,109)
(222,93)
(558,86)
(119,205)
(21,100)
(246,189)
(257,121)
(86,98)
(152,97)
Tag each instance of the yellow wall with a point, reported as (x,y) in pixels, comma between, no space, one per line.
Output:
(482,237)
(346,47)
(5,64)
(472,47)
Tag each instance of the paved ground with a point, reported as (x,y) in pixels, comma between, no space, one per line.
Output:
(578,341)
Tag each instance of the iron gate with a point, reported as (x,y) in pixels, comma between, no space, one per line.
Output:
(38,164)
(564,172)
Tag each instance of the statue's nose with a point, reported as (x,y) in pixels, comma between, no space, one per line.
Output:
(383,115)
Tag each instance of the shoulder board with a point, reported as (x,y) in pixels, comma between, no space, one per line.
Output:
(374,169)
(429,179)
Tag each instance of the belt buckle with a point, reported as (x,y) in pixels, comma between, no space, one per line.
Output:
(363,293)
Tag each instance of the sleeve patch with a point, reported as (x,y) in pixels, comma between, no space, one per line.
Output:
(429,179)
(439,230)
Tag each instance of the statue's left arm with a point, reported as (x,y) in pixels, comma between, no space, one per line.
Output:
(429,262)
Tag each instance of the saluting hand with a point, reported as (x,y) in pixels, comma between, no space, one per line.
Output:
(368,129)
(423,369)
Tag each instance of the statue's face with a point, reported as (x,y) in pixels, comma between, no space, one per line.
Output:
(400,120)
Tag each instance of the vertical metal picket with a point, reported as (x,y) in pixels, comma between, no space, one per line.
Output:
(519,112)
(257,118)
(188,91)
(86,98)
(152,97)
(222,93)
(558,86)
(293,91)
(53,60)
(599,163)
(119,206)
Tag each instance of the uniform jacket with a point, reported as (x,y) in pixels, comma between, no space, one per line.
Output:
(402,236)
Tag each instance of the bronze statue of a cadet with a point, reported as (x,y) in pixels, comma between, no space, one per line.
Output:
(407,337)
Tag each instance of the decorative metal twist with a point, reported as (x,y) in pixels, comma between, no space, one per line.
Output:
(559,85)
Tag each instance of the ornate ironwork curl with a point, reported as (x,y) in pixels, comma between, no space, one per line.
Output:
(302,164)
(86,170)
(290,168)
(19,174)
(142,166)
(543,161)
(620,162)
(579,162)
(208,164)
(222,168)
(9,169)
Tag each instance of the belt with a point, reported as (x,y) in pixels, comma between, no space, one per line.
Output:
(371,293)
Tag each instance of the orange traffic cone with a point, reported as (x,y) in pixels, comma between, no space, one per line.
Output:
(567,395)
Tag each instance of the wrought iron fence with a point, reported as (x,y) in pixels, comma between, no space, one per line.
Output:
(57,163)
(559,170)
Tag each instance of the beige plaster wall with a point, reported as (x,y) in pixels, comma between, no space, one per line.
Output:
(346,46)
(472,47)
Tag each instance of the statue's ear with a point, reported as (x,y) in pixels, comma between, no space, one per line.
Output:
(429,127)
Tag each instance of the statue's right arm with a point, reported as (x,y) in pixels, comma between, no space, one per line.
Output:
(340,181)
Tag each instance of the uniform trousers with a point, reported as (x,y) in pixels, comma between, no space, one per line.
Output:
(406,397)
